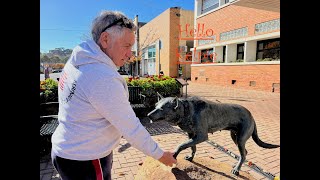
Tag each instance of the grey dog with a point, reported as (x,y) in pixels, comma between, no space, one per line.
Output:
(199,117)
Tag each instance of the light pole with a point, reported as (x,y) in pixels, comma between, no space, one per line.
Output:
(159,47)
(137,43)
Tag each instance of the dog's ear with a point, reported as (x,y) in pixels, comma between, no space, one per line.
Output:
(159,96)
(176,99)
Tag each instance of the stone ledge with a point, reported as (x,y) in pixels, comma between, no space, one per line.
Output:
(201,168)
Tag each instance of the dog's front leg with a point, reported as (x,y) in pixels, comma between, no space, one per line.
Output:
(191,143)
(190,158)
(193,149)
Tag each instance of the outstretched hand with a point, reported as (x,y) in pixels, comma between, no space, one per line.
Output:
(168,159)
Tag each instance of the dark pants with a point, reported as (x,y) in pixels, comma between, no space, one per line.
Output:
(98,169)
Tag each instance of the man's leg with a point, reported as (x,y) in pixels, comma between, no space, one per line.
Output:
(97,169)
(106,164)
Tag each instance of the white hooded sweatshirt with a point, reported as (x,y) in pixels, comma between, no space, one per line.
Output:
(94,109)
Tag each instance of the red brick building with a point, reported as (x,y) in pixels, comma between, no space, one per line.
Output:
(236,43)
(165,29)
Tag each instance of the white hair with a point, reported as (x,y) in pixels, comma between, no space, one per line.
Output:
(103,20)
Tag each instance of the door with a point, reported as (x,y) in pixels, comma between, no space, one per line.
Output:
(151,66)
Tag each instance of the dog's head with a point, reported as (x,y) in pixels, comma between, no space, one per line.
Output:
(166,109)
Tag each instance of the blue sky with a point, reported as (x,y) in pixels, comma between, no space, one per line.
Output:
(65,23)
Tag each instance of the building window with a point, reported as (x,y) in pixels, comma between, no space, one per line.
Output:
(223,2)
(237,33)
(267,26)
(208,5)
(144,54)
(152,51)
(268,50)
(152,54)
(207,55)
(151,67)
(224,54)
(240,51)
(207,40)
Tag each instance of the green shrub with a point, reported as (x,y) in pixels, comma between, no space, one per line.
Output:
(50,91)
(265,59)
(51,84)
(165,85)
(239,60)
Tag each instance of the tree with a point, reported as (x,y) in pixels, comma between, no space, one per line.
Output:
(65,59)
(44,58)
(55,59)
(58,55)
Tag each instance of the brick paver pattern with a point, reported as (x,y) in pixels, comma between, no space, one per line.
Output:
(264,106)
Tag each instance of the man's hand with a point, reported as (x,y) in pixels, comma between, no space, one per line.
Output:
(168,159)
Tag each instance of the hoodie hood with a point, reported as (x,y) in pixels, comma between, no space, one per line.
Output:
(89,52)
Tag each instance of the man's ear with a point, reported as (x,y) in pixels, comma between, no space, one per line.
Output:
(159,96)
(104,38)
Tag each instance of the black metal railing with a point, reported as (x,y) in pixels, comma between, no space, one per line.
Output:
(135,96)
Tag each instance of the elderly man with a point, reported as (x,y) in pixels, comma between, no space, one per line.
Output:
(94,110)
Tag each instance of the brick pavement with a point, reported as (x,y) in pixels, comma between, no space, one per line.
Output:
(264,106)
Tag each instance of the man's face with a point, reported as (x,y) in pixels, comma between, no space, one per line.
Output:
(119,49)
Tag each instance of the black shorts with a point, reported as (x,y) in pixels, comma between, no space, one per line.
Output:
(98,169)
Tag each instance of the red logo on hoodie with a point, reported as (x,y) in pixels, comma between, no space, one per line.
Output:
(61,80)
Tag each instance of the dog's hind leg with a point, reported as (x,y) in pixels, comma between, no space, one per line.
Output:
(242,138)
(191,143)
(234,138)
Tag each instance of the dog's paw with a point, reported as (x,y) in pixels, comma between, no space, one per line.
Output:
(235,172)
(188,158)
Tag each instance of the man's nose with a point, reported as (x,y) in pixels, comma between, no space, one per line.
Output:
(129,53)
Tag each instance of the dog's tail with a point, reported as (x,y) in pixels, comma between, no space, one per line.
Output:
(258,140)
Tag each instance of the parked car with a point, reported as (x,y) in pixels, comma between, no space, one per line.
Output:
(122,72)
(56,70)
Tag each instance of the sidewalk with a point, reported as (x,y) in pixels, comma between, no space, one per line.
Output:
(264,106)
